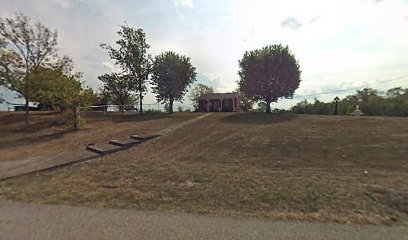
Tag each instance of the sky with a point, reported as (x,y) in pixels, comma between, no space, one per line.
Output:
(340,44)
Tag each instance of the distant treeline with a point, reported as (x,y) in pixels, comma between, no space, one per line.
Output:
(393,102)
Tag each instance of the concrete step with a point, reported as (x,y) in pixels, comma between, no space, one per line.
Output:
(144,138)
(103,148)
(125,142)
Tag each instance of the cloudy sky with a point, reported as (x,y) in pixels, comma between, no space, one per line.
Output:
(339,44)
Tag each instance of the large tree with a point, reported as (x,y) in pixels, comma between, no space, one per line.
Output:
(268,74)
(132,58)
(246,103)
(118,89)
(24,47)
(172,74)
(59,86)
(198,90)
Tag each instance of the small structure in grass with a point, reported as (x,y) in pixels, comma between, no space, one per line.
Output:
(219,102)
(357,113)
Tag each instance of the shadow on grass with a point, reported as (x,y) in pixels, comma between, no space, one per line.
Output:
(37,139)
(129,116)
(143,117)
(36,125)
(15,117)
(258,118)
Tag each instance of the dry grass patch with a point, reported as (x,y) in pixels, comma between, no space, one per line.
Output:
(51,132)
(272,166)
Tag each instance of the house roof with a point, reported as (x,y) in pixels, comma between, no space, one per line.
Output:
(218,96)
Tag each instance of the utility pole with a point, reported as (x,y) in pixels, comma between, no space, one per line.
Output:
(336,101)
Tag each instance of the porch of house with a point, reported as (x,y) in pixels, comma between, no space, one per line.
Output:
(218,102)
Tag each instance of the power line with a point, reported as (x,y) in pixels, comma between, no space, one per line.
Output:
(349,89)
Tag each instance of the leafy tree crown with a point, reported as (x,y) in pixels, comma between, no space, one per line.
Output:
(172,74)
(269,73)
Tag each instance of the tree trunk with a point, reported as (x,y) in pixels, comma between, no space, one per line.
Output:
(122,107)
(76,117)
(268,106)
(171,105)
(26,87)
(27,112)
(140,99)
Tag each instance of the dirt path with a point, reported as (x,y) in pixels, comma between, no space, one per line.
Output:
(29,221)
(183,124)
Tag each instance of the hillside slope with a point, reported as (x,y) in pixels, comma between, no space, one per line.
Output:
(322,168)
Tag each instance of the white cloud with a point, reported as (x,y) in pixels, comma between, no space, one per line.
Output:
(181,5)
(217,82)
(181,15)
(109,67)
(291,23)
(62,3)
(184,4)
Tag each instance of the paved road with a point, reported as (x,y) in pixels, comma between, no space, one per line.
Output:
(29,221)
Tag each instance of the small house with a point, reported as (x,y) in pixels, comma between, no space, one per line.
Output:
(219,102)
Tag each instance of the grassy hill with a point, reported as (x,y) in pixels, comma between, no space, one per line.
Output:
(305,167)
(51,132)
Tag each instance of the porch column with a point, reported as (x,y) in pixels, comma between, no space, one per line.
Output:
(221,104)
(233,104)
(238,104)
(208,105)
